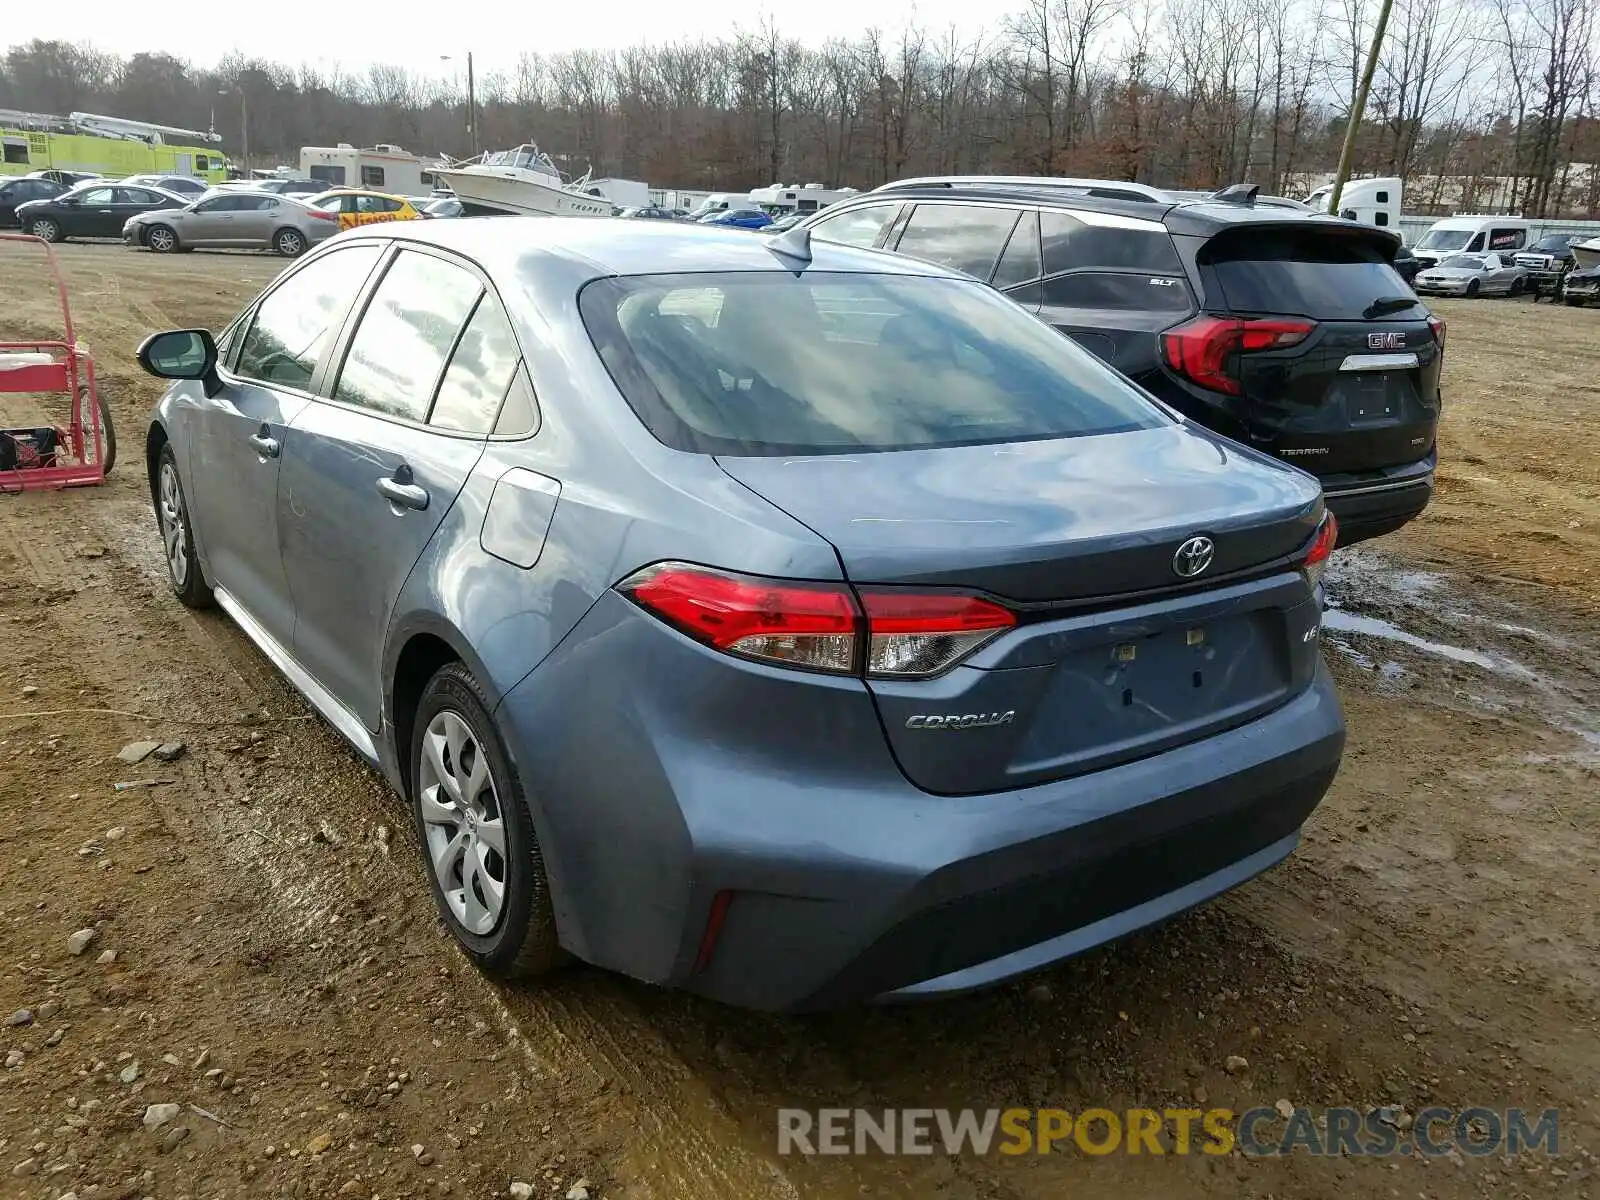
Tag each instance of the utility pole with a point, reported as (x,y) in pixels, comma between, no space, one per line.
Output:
(472,108)
(1359,109)
(244,124)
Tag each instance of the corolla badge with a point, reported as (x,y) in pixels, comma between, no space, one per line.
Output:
(961,720)
(1193,557)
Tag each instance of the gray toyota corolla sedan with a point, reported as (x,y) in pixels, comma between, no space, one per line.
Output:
(795,624)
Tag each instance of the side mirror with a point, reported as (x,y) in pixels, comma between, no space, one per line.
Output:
(182,354)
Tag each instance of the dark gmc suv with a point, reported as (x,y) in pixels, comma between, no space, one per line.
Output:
(1289,332)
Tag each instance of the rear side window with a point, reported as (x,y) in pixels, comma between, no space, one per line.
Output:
(1074,245)
(406,334)
(479,374)
(963,237)
(297,322)
(371,176)
(763,363)
(1302,273)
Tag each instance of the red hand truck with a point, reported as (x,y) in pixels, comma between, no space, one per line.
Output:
(53,456)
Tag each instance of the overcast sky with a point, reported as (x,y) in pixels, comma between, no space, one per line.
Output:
(414,35)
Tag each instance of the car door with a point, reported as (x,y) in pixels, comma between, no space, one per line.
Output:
(253,223)
(209,222)
(370,480)
(1112,284)
(242,434)
(94,214)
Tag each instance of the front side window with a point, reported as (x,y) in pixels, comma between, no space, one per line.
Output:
(406,334)
(964,237)
(764,363)
(480,371)
(295,325)
(857,227)
(218,204)
(102,195)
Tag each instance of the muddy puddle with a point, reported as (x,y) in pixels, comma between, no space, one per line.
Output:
(1487,648)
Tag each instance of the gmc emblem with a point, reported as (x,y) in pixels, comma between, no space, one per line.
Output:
(1386,341)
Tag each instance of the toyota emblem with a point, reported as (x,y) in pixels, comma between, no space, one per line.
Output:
(1193,557)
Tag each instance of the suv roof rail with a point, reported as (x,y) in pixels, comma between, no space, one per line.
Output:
(1108,189)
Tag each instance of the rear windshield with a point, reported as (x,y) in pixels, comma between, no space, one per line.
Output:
(1327,277)
(768,363)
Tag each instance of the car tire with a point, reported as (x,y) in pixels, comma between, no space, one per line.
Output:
(45,229)
(1472,289)
(484,863)
(177,533)
(162,239)
(290,243)
(1516,289)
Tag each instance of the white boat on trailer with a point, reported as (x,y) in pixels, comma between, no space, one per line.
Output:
(520,182)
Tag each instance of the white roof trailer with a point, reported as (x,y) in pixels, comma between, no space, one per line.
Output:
(788,198)
(382,167)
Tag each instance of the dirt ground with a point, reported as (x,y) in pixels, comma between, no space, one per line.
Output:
(265,953)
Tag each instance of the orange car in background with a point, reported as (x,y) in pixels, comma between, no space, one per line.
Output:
(357,206)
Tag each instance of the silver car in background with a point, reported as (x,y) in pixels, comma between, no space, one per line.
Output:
(237,220)
(1472,275)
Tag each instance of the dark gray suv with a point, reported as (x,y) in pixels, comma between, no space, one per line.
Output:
(1289,332)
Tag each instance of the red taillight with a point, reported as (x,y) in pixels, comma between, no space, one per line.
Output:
(324,215)
(819,626)
(1437,325)
(813,625)
(1321,547)
(1199,349)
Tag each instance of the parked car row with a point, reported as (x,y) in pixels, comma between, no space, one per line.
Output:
(167,214)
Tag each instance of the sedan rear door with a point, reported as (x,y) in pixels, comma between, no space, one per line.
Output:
(371,478)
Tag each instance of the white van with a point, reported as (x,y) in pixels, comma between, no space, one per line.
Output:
(780,200)
(1471,235)
(719,202)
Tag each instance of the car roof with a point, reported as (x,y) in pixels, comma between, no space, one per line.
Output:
(618,246)
(1202,216)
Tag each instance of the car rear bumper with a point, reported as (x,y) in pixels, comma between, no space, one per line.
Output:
(1373,503)
(841,882)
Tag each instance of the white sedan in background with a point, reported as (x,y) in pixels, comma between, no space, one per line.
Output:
(1472,275)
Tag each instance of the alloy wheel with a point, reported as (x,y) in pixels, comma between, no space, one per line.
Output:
(461,817)
(172,531)
(290,243)
(45,230)
(160,239)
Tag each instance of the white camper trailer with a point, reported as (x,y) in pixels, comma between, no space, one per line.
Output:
(382,168)
(1370,201)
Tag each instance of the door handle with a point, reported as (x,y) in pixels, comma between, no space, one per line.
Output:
(266,445)
(400,489)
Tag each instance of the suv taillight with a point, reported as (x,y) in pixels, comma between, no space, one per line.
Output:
(1199,349)
(886,633)
(1437,325)
(1321,547)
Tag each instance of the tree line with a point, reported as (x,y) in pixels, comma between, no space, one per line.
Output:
(1476,103)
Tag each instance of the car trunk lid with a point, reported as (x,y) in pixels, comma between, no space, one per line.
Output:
(1115,654)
